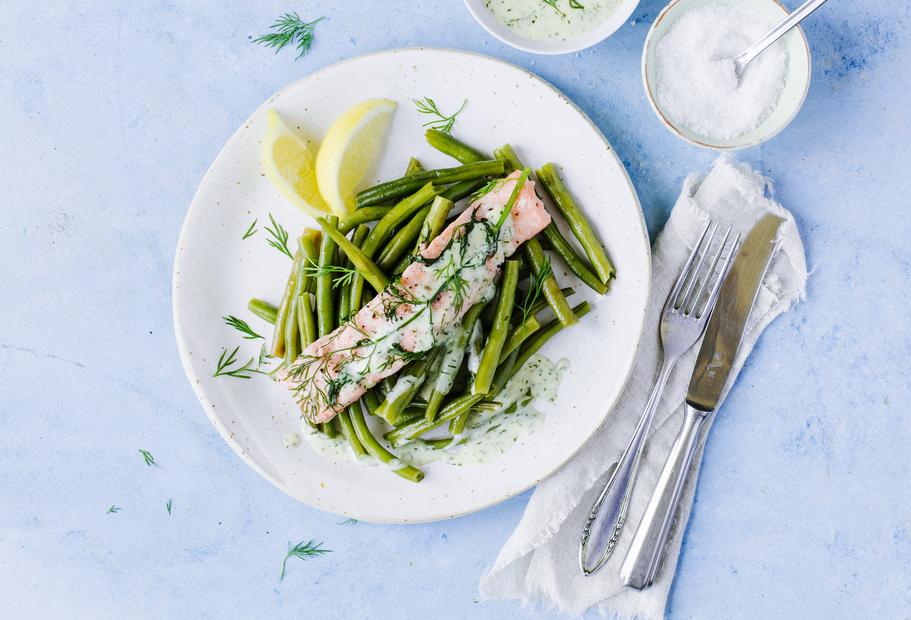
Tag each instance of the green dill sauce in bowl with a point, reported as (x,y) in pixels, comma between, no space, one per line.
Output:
(551,26)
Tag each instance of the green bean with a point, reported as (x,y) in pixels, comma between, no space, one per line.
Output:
(500,330)
(546,333)
(539,305)
(398,214)
(413,166)
(292,334)
(573,261)
(263,309)
(455,408)
(507,153)
(306,323)
(405,185)
(435,221)
(582,230)
(349,222)
(406,387)
(520,334)
(458,150)
(452,361)
(345,421)
(281,317)
(364,265)
(403,240)
(325,313)
(457,191)
(535,255)
(504,372)
(376,449)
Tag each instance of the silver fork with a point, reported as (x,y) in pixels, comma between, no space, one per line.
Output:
(683,321)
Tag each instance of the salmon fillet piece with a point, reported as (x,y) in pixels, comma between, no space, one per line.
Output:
(420,309)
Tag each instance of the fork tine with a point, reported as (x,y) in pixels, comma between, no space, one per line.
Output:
(713,296)
(685,298)
(709,274)
(684,273)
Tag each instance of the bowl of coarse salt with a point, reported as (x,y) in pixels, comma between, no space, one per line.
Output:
(690,80)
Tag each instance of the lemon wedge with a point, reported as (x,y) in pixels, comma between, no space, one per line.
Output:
(289,164)
(349,151)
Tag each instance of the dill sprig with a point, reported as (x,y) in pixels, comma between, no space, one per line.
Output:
(148,458)
(169,505)
(114,509)
(341,276)
(227,360)
(250,231)
(535,290)
(279,239)
(241,326)
(553,4)
(490,186)
(347,522)
(302,550)
(575,4)
(442,122)
(290,29)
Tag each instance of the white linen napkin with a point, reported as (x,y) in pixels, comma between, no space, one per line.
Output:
(539,562)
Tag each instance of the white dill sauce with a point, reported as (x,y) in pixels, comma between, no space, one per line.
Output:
(696,86)
(551,21)
(488,436)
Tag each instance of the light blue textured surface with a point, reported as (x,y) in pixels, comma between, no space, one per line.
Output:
(110,113)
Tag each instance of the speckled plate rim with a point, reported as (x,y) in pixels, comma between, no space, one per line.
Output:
(316,502)
(702,141)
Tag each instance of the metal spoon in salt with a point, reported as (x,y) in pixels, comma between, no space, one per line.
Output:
(744,58)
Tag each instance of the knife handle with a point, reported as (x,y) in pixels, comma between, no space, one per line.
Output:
(640,566)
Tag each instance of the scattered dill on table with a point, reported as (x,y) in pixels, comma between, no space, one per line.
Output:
(169,505)
(114,509)
(148,458)
(304,551)
(290,29)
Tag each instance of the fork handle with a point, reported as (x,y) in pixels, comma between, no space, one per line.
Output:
(606,518)
(640,566)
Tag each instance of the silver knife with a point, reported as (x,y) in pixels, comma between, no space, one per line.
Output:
(710,375)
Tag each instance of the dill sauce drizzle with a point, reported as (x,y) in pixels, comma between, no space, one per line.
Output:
(551,21)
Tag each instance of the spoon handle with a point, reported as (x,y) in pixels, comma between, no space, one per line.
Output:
(744,58)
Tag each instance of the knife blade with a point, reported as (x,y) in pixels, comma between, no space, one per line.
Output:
(728,321)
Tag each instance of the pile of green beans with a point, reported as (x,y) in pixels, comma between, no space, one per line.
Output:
(393,223)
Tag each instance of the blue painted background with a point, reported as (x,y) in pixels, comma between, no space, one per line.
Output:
(110,113)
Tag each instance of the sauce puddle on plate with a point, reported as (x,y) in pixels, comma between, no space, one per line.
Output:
(487,435)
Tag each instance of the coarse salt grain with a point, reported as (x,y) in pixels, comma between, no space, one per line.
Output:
(696,84)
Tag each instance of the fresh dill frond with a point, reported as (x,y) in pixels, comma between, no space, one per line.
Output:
(148,458)
(279,239)
(520,183)
(535,290)
(575,4)
(491,186)
(114,509)
(553,4)
(250,231)
(241,326)
(442,122)
(169,505)
(290,29)
(341,276)
(223,368)
(347,522)
(304,551)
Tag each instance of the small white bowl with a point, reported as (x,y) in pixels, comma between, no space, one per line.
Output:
(491,24)
(797,83)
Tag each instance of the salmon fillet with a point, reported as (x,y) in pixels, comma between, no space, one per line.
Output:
(421,308)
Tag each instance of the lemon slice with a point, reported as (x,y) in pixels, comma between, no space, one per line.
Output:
(288,163)
(350,150)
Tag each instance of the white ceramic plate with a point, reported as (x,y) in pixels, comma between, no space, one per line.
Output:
(215,273)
